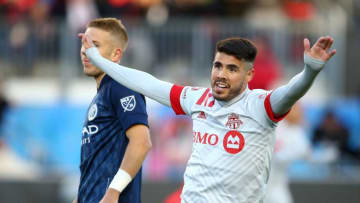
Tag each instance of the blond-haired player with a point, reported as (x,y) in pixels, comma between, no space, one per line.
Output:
(115,136)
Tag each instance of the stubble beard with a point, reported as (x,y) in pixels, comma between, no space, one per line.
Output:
(232,93)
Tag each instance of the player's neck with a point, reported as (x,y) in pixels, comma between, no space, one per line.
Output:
(99,79)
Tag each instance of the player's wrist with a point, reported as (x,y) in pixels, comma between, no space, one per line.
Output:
(120,180)
(313,63)
(112,193)
(92,52)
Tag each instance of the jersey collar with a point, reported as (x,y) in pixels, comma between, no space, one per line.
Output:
(105,80)
(236,99)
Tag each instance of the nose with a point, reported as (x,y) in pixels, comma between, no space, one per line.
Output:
(221,73)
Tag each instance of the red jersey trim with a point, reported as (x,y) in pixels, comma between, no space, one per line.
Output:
(175,99)
(270,112)
(202,98)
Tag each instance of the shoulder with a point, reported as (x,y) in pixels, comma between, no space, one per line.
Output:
(257,95)
(259,106)
(196,90)
(196,94)
(183,98)
(117,89)
(257,92)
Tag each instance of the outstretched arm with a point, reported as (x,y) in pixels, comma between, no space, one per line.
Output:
(284,97)
(136,80)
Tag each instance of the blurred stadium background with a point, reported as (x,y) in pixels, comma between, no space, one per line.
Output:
(44,95)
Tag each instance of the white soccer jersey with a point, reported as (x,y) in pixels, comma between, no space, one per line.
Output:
(232,145)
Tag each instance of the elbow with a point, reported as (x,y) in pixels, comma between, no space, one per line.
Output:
(147,145)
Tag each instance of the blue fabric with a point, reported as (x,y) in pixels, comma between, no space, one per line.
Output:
(113,110)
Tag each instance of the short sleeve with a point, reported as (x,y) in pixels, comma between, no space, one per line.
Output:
(270,112)
(260,107)
(183,98)
(130,106)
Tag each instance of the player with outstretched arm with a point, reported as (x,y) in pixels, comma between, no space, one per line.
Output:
(233,126)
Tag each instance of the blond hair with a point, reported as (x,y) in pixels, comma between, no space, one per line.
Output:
(114,26)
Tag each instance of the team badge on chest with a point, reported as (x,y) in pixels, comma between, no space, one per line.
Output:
(128,103)
(234,121)
(92,112)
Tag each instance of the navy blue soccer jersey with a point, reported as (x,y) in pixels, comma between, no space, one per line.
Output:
(113,110)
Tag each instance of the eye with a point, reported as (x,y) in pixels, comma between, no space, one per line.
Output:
(233,68)
(217,65)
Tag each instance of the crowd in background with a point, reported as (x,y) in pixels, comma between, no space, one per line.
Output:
(33,27)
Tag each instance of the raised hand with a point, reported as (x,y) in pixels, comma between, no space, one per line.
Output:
(321,49)
(86,40)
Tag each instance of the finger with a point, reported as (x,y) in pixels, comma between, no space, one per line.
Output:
(89,40)
(331,54)
(322,42)
(327,41)
(83,39)
(331,41)
(307,45)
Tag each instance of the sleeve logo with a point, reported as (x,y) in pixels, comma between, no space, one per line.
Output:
(92,112)
(128,103)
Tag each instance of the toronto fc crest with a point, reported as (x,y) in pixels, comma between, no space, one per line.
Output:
(234,121)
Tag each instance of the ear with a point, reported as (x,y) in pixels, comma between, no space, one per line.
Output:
(116,55)
(250,74)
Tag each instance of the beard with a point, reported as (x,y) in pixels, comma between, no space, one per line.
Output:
(231,92)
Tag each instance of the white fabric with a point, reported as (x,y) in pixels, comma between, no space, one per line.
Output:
(138,81)
(213,174)
(120,180)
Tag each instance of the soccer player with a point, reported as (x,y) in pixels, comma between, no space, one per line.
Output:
(115,135)
(233,127)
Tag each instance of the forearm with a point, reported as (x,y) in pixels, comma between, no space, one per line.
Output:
(134,156)
(284,97)
(136,80)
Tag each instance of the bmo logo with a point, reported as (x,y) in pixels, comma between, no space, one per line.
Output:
(211,139)
(233,142)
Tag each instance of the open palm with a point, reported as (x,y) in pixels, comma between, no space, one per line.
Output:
(321,49)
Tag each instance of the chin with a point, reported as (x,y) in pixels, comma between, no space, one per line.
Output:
(221,98)
(89,71)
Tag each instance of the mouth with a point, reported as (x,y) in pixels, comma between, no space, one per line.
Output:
(221,86)
(86,61)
